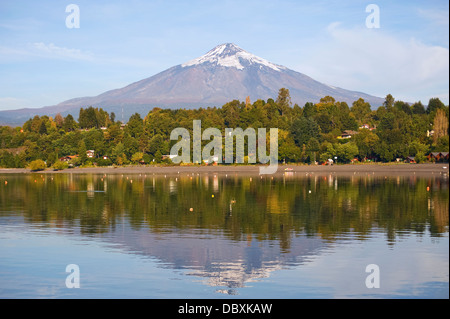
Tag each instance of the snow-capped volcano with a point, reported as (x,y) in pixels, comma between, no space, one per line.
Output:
(223,74)
(232,56)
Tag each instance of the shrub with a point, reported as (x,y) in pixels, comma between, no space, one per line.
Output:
(137,157)
(58,165)
(420,157)
(37,165)
(103,162)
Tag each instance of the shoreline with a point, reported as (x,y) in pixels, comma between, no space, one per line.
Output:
(344,169)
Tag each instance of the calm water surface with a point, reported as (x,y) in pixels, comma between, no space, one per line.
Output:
(223,236)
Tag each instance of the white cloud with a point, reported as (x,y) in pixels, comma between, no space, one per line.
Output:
(42,50)
(372,61)
(53,51)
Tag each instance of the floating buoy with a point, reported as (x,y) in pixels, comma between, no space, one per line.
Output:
(428,188)
(6,182)
(309,191)
(191,209)
(212,195)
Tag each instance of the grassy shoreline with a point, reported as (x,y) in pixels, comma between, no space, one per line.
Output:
(345,169)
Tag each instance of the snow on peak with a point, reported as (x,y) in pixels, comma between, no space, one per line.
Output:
(230,55)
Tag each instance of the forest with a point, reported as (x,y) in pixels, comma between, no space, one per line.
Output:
(314,133)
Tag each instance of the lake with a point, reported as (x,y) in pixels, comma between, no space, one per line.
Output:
(207,235)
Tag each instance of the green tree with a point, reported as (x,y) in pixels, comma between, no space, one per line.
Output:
(360,109)
(442,144)
(416,147)
(388,101)
(158,156)
(325,123)
(82,152)
(385,151)
(284,100)
(118,153)
(155,144)
(43,128)
(366,142)
(287,150)
(303,129)
(346,152)
(312,147)
(59,165)
(137,157)
(418,108)
(328,151)
(135,125)
(88,118)
(69,123)
(309,110)
(37,165)
(434,104)
(420,157)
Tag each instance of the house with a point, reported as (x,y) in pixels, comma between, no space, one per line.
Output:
(90,153)
(212,160)
(438,156)
(68,158)
(169,156)
(411,159)
(348,134)
(367,127)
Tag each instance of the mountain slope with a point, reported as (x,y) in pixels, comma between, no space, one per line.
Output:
(225,73)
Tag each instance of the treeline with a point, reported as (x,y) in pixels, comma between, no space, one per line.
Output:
(312,133)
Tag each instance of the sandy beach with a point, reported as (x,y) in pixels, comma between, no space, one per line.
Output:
(374,169)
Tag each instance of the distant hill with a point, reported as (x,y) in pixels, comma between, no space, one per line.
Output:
(223,74)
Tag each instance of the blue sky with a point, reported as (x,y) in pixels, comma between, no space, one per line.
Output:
(42,62)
